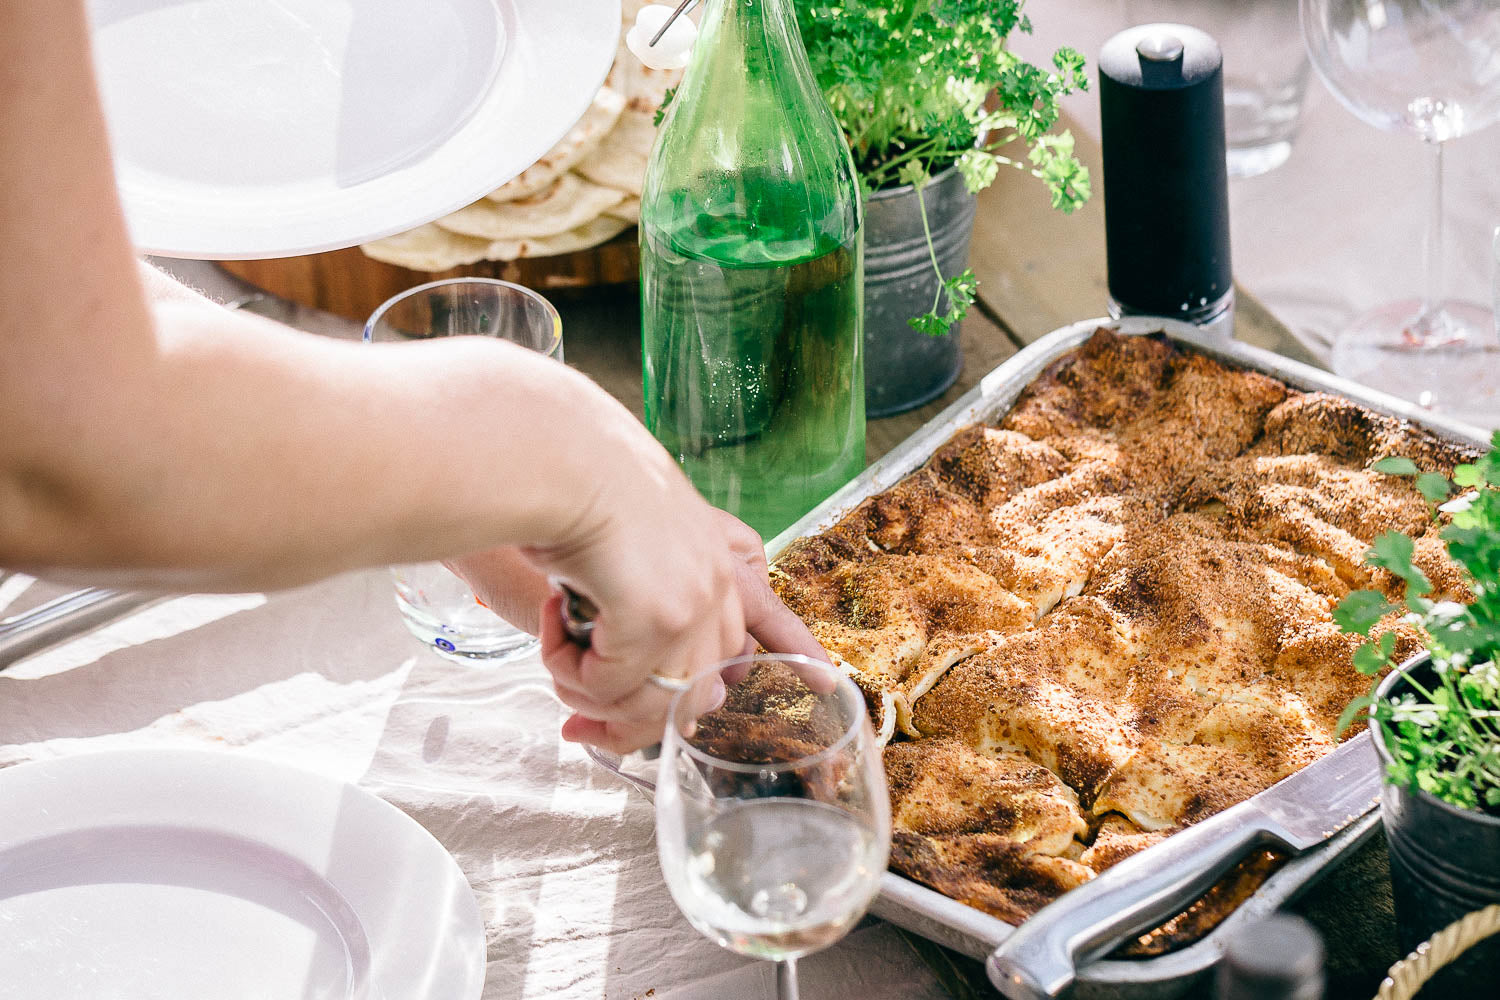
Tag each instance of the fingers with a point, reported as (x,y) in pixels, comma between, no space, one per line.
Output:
(770,623)
(628,735)
(744,541)
(559,653)
(623,724)
(507,583)
(767,619)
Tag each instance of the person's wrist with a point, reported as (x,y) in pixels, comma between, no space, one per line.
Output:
(587,448)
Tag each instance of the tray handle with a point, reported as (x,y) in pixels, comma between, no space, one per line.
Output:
(1040,959)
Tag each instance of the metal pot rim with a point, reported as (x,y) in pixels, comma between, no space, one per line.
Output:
(1377,736)
(904,189)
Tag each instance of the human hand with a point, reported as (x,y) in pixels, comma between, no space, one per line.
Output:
(653,559)
(608,685)
(508,583)
(768,623)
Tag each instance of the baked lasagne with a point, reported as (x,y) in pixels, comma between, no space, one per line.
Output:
(1110,615)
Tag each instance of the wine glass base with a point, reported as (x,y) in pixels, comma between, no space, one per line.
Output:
(1450,364)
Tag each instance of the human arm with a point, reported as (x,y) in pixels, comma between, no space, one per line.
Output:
(174,445)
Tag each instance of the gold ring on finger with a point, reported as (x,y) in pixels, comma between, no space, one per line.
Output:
(666,683)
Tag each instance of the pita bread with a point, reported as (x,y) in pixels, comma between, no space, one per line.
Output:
(590,234)
(629,210)
(427,248)
(644,88)
(568,203)
(620,160)
(580,141)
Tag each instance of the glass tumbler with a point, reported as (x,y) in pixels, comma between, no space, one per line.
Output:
(1265,71)
(436,605)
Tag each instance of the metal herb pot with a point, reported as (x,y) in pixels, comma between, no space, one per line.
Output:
(904,368)
(1445,863)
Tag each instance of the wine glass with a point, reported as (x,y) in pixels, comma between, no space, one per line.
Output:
(1430,67)
(772,818)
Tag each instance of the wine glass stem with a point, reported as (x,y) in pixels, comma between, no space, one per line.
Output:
(786,979)
(1432,298)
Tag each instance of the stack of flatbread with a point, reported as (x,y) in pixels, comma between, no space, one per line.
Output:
(585,191)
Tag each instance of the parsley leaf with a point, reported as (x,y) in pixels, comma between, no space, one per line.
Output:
(1434,486)
(1393,551)
(1444,732)
(1393,465)
(918,86)
(1358,612)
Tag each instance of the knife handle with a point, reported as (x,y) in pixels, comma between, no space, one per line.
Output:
(1039,959)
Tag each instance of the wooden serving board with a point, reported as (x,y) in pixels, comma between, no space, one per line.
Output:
(347,283)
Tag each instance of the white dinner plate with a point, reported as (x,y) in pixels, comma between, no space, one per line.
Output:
(250,128)
(195,874)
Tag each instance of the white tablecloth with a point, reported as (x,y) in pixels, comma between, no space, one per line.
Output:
(560,853)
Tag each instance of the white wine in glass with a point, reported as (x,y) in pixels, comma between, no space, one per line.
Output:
(772,820)
(1430,68)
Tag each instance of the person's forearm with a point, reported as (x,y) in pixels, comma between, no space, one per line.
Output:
(231,450)
(238,453)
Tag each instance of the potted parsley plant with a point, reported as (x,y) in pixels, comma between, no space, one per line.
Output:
(929,97)
(1436,718)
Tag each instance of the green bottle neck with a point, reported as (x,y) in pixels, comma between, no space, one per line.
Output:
(749,56)
(756,33)
(751,165)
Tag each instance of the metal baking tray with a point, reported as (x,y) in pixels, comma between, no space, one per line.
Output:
(963,928)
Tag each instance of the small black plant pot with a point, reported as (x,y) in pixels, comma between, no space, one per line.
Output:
(1445,863)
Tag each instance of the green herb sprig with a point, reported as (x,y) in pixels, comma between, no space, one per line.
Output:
(1444,738)
(910,82)
(918,86)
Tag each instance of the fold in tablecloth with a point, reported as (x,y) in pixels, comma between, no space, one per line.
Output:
(560,854)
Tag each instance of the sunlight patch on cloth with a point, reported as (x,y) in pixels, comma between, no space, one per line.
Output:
(13,587)
(181,614)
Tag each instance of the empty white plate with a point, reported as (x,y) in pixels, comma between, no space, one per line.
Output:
(246,129)
(162,873)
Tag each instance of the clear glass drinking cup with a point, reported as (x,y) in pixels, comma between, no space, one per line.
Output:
(1265,71)
(773,823)
(436,605)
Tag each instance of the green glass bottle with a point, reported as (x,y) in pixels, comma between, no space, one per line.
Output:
(752,285)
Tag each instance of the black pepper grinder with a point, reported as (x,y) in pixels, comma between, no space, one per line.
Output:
(1166,188)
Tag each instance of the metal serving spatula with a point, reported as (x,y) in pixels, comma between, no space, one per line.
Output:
(1040,959)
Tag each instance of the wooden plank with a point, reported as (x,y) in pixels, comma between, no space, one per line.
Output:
(349,284)
(1039,269)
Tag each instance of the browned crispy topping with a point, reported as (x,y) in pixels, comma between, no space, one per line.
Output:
(1111,616)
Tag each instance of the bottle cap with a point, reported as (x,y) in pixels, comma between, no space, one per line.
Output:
(1278,958)
(1166,188)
